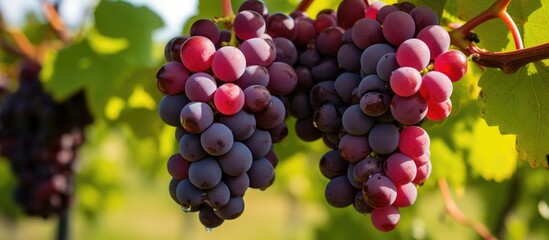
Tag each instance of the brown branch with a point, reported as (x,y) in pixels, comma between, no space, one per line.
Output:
(304,5)
(19,44)
(453,210)
(55,21)
(509,62)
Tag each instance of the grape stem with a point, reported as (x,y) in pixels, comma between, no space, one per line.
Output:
(55,21)
(453,210)
(509,62)
(227,9)
(16,42)
(304,5)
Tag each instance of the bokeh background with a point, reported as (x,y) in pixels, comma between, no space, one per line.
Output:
(121,177)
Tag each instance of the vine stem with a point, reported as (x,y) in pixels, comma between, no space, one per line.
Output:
(304,5)
(453,210)
(55,21)
(227,8)
(19,45)
(509,62)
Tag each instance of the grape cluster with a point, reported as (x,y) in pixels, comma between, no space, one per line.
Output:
(227,105)
(377,71)
(362,78)
(40,138)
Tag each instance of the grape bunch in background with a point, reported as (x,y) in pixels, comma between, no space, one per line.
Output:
(362,78)
(40,138)
(226,102)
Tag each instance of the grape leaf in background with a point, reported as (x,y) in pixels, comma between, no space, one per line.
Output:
(120,44)
(519,103)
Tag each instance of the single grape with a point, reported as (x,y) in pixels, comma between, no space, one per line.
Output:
(200,87)
(436,38)
(360,204)
(300,107)
(379,191)
(383,138)
(436,87)
(205,173)
(228,64)
(371,83)
(178,167)
(405,81)
(366,168)
(413,53)
(232,210)
(283,79)
(339,192)
(197,53)
(371,55)
(424,16)
(354,148)
(196,117)
(242,124)
(354,115)
(385,219)
(305,32)
(191,148)
(386,65)
(217,139)
(384,11)
(261,174)
(281,25)
(256,6)
(406,195)
(257,98)
(229,99)
(328,41)
(423,173)
(374,104)
(414,141)
(439,111)
(285,51)
(217,196)
(259,143)
(169,108)
(258,51)
(408,110)
(327,119)
(348,56)
(237,184)
(453,63)
(398,27)
(272,116)
(350,11)
(206,28)
(366,32)
(188,195)
(253,75)
(248,24)
(306,131)
(237,161)
(171,78)
(400,168)
(208,218)
(332,164)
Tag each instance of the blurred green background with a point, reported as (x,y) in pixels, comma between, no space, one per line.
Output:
(122,182)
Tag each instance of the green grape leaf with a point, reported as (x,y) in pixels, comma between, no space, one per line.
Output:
(120,43)
(519,103)
(119,19)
